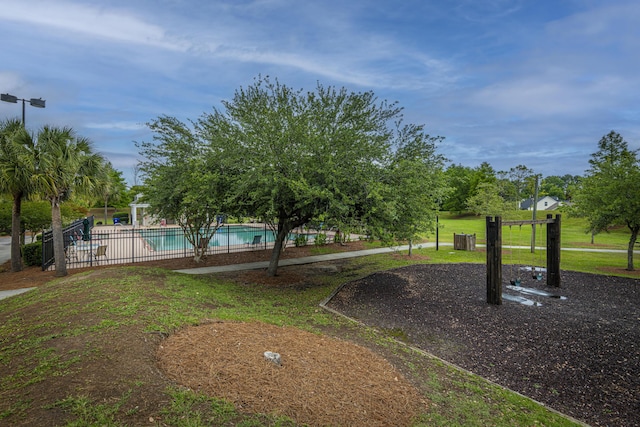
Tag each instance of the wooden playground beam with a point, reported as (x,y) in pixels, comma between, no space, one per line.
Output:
(494,253)
(529,221)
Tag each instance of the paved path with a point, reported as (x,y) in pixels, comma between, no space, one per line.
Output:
(5,255)
(299,261)
(304,260)
(344,255)
(7,294)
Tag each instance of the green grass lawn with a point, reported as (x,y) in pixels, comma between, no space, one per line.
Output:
(573,231)
(144,301)
(139,301)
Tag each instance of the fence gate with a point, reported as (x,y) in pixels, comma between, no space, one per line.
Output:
(75,229)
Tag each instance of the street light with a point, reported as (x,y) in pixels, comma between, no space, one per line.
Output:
(38,103)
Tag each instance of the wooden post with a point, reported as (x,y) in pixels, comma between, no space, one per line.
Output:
(494,260)
(553,251)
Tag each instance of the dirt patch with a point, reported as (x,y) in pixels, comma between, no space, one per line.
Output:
(320,381)
(617,270)
(578,354)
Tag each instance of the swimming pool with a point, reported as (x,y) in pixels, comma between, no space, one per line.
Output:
(170,239)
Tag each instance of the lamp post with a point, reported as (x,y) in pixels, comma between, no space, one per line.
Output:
(38,103)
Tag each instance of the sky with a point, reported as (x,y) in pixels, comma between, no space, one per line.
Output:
(508,82)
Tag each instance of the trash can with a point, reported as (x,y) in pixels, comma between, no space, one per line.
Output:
(464,242)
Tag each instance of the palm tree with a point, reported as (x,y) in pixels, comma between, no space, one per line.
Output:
(65,164)
(16,169)
(112,188)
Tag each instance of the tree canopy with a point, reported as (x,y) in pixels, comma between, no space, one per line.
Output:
(417,185)
(608,194)
(305,154)
(16,169)
(64,163)
(287,157)
(186,178)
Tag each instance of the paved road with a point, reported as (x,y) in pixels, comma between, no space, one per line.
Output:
(5,255)
(5,249)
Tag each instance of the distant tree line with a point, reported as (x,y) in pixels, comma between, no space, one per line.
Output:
(483,191)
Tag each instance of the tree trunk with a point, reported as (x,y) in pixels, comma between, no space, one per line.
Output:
(58,238)
(16,253)
(632,243)
(410,247)
(106,213)
(277,249)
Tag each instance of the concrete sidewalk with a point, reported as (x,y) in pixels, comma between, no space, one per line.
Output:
(303,260)
(320,258)
(265,264)
(354,254)
(7,294)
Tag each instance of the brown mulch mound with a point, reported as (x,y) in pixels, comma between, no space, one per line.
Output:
(320,381)
(579,354)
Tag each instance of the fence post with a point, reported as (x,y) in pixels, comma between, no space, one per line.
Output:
(553,252)
(494,260)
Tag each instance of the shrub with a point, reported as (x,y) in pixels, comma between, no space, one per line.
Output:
(32,253)
(300,240)
(321,239)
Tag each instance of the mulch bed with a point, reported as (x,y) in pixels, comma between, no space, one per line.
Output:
(579,354)
(320,380)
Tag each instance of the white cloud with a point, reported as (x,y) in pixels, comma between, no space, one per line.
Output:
(10,81)
(126,126)
(115,25)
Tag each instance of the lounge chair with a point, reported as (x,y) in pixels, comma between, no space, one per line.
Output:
(101,251)
(256,241)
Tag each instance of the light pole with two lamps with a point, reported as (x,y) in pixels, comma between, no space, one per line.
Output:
(38,103)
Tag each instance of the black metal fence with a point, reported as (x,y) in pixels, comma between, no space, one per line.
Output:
(72,234)
(123,244)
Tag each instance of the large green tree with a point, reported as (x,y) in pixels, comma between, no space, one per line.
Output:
(304,155)
(417,184)
(608,194)
(112,188)
(559,186)
(186,179)
(487,200)
(16,169)
(35,216)
(65,163)
(553,186)
(516,184)
(458,179)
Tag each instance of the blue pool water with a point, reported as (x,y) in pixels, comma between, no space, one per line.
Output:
(173,239)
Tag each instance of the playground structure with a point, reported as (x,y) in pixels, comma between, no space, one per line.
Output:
(494,253)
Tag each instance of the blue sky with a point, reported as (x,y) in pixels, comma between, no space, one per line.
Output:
(509,82)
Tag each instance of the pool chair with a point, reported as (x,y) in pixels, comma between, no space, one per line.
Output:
(70,251)
(101,251)
(256,241)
